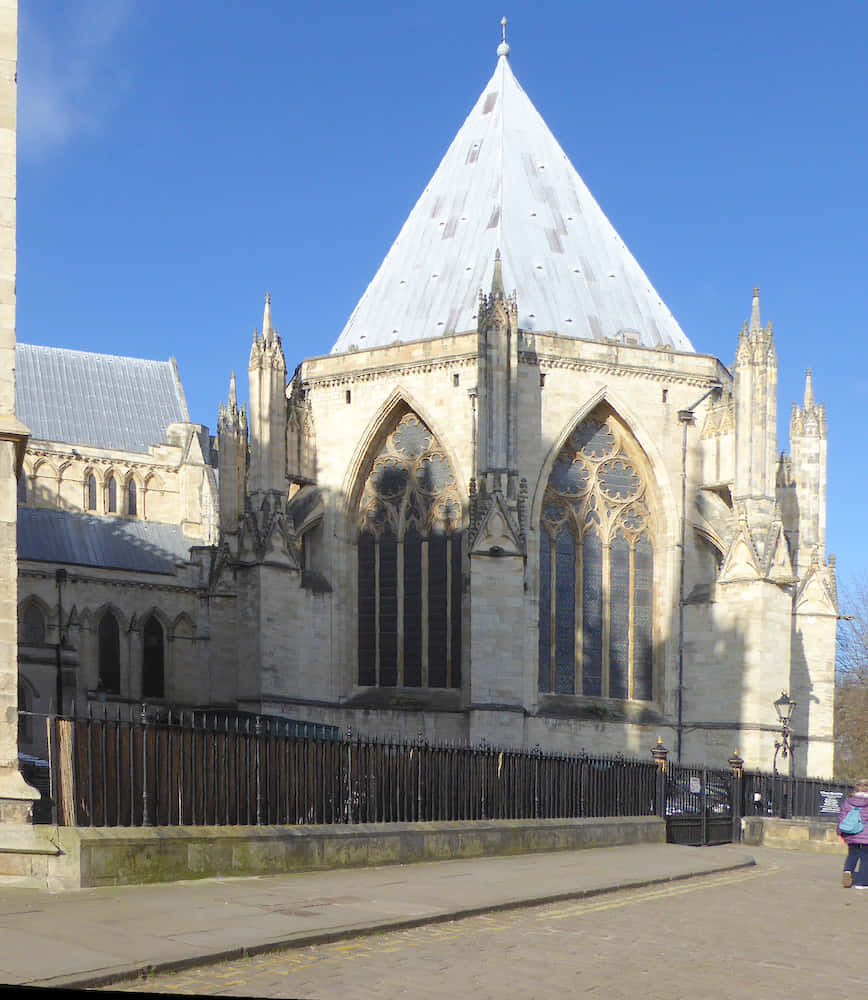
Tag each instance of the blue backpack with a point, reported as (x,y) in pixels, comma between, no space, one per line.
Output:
(852,822)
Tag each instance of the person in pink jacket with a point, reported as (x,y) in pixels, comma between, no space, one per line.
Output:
(856,866)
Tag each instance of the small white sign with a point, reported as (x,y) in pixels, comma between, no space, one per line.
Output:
(695,784)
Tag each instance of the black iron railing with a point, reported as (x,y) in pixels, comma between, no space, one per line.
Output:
(792,797)
(221,769)
(142,766)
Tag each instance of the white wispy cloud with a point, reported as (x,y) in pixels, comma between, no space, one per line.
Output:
(69,79)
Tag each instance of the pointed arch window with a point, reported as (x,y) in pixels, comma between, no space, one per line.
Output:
(153,659)
(91,492)
(410,564)
(109,637)
(132,498)
(112,495)
(596,594)
(32,625)
(22,487)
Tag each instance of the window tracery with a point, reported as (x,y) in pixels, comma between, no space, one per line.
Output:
(409,563)
(597,566)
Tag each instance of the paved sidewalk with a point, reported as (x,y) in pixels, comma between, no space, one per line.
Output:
(90,937)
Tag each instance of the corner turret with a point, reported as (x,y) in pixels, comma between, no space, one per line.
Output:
(267,373)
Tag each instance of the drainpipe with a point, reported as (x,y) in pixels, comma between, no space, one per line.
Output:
(60,577)
(686,418)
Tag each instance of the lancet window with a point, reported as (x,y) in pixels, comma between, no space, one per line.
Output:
(90,499)
(410,564)
(153,660)
(109,639)
(596,594)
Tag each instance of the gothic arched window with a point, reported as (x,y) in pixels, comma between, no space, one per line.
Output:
(153,659)
(109,654)
(32,625)
(91,492)
(410,564)
(597,566)
(112,495)
(132,498)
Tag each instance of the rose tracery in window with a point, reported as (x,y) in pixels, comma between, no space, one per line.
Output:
(596,566)
(409,563)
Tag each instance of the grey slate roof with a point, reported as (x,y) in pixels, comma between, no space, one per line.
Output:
(109,542)
(99,400)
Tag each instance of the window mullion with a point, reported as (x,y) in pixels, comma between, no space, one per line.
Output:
(377,612)
(606,588)
(399,586)
(425,611)
(631,605)
(449,611)
(578,673)
(553,614)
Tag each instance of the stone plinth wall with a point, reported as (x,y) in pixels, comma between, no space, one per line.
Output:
(792,834)
(121,856)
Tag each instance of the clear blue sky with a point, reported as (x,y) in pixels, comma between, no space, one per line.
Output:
(179,159)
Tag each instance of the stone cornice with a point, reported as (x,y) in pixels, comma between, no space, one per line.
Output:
(372,373)
(38,574)
(553,362)
(118,458)
(544,361)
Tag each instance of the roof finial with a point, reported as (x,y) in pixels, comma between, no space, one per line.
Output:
(755,324)
(233,398)
(503,48)
(267,328)
(497,291)
(809,389)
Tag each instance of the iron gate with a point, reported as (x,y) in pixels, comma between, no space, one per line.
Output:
(699,806)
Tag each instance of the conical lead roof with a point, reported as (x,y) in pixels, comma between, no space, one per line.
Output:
(506,183)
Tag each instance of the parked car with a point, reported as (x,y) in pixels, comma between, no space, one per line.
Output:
(684,799)
(35,772)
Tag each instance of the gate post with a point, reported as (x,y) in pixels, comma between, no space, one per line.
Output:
(660,754)
(146,795)
(736,764)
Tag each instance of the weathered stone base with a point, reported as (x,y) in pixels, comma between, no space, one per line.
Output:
(79,857)
(792,834)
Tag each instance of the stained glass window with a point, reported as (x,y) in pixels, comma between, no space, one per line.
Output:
(109,654)
(412,607)
(367,609)
(596,580)
(643,585)
(619,618)
(592,614)
(153,667)
(565,613)
(410,561)
(545,613)
(32,625)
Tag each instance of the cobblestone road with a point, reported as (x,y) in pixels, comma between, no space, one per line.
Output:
(784,930)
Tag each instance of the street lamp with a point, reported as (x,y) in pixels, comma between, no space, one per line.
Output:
(784,706)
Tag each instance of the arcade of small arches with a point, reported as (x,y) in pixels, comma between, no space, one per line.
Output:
(109,492)
(38,627)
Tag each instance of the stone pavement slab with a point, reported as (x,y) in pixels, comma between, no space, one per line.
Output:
(89,937)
